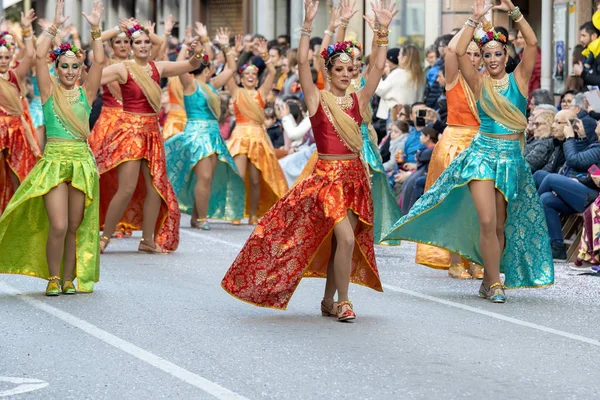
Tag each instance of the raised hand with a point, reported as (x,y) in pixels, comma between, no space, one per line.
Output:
(196,45)
(384,12)
(201,30)
(169,24)
(27,19)
(505,5)
(150,26)
(239,43)
(96,15)
(188,35)
(223,36)
(262,46)
(370,19)
(347,9)
(334,18)
(480,8)
(59,13)
(310,10)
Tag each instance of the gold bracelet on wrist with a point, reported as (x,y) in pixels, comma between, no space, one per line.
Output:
(96,34)
(518,18)
(328,32)
(488,26)
(382,32)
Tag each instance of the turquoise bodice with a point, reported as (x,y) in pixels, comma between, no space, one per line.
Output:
(196,106)
(514,95)
(36,89)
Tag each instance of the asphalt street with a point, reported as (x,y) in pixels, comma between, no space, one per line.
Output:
(160,326)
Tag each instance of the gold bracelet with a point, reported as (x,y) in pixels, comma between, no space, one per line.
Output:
(382,32)
(488,26)
(519,18)
(96,34)
(225,48)
(204,39)
(199,56)
(328,32)
(26,32)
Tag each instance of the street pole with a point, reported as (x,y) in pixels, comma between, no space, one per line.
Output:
(1,8)
(546,43)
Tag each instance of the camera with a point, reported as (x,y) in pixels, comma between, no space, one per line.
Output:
(422,113)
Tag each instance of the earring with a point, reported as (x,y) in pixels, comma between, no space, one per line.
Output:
(328,78)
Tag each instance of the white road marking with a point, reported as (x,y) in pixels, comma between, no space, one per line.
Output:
(475,310)
(490,314)
(201,383)
(25,385)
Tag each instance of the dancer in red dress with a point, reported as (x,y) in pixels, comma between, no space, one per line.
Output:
(324,226)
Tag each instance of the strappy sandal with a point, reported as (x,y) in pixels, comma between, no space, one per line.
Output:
(476,271)
(329,311)
(104,241)
(201,223)
(146,248)
(253,220)
(345,313)
(53,288)
(458,271)
(495,293)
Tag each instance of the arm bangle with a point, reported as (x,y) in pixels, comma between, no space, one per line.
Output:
(328,32)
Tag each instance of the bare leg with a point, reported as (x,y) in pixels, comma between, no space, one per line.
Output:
(57,208)
(76,209)
(500,219)
(330,287)
(344,236)
(241,162)
(14,179)
(484,197)
(151,206)
(254,189)
(204,171)
(127,174)
(40,133)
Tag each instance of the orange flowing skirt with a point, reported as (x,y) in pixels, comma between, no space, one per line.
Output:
(253,141)
(16,155)
(174,123)
(137,137)
(293,240)
(454,141)
(105,125)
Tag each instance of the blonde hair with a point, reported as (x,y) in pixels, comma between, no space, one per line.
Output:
(412,63)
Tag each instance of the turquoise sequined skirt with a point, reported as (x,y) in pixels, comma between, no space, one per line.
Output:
(199,140)
(445,216)
(385,206)
(37,114)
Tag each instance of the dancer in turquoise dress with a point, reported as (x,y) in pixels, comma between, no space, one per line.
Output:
(485,206)
(35,106)
(199,165)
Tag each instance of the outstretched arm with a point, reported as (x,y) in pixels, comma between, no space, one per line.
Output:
(311,93)
(25,64)
(267,84)
(225,75)
(525,68)
(94,76)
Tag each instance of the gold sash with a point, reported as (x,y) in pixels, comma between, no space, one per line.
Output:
(176,88)
(499,108)
(249,107)
(78,126)
(346,128)
(213,99)
(149,87)
(10,99)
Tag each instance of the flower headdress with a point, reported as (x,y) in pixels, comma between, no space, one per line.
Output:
(4,43)
(341,50)
(204,58)
(489,37)
(245,67)
(66,49)
(135,31)
(4,33)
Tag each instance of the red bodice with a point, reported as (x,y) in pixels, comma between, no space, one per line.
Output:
(12,79)
(108,100)
(134,100)
(326,139)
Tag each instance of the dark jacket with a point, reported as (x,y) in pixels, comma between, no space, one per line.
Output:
(275,132)
(433,90)
(591,75)
(557,159)
(581,161)
(589,125)
(538,153)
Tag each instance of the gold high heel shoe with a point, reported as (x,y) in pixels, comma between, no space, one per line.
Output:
(104,241)
(68,287)
(458,271)
(53,289)
(253,220)
(476,271)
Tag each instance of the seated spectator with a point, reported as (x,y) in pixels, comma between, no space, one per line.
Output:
(413,142)
(538,152)
(274,128)
(556,164)
(398,136)
(529,130)
(561,195)
(433,89)
(566,99)
(538,97)
(589,123)
(414,185)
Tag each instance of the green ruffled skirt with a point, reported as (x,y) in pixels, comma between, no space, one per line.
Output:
(445,216)
(385,207)
(24,225)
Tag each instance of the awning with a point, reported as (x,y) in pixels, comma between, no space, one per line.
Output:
(8,3)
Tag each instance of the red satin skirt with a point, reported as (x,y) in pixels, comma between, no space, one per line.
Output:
(16,155)
(293,239)
(137,137)
(106,124)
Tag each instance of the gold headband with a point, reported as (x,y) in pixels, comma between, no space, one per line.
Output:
(4,49)
(345,58)
(473,46)
(69,54)
(137,34)
(492,44)
(122,35)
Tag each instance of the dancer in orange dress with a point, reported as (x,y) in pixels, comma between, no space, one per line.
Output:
(249,143)
(324,226)
(463,125)
(19,150)
(176,117)
(143,201)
